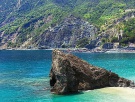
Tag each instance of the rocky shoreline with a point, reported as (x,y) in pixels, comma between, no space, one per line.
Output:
(84,50)
(69,74)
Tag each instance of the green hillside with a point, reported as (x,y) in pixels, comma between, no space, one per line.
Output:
(128,31)
(30,18)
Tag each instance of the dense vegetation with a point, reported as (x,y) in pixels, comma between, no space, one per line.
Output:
(82,43)
(129,32)
(30,18)
(95,11)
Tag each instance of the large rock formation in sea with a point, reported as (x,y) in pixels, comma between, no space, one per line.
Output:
(69,74)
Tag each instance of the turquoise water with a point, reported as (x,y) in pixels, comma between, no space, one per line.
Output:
(24,77)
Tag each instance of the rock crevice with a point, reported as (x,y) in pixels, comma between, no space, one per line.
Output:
(70,74)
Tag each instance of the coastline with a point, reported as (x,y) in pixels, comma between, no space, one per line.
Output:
(81,50)
(125,94)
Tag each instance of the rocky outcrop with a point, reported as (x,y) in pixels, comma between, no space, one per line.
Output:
(70,74)
(67,33)
(107,46)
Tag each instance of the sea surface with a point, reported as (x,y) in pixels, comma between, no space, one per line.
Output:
(24,77)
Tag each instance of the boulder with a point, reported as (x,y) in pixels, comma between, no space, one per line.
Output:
(69,74)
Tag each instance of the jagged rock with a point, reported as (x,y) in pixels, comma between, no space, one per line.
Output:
(68,32)
(70,74)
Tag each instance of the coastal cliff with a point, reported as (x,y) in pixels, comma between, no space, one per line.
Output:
(69,74)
